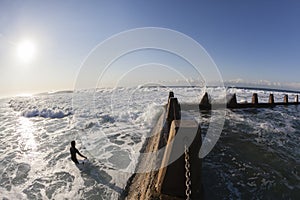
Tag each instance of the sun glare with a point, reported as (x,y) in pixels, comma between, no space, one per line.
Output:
(26,51)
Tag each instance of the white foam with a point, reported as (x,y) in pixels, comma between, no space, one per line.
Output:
(52,106)
(110,126)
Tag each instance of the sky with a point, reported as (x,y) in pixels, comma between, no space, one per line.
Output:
(251,42)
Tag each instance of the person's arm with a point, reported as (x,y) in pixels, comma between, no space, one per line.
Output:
(81,154)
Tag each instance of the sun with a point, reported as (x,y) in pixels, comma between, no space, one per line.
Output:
(26,51)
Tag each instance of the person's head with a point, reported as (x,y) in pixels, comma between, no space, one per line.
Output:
(73,143)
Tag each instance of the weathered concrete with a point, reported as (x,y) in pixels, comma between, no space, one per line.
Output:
(173,110)
(232,102)
(286,99)
(254,98)
(171,94)
(173,113)
(151,185)
(271,99)
(204,103)
(171,177)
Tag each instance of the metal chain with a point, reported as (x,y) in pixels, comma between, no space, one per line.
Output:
(188,181)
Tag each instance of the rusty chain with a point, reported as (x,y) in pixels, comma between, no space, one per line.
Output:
(188,181)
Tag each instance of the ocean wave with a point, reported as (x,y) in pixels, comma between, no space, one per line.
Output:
(42,106)
(46,113)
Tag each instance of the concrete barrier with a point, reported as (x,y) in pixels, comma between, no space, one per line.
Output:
(286,99)
(173,110)
(271,99)
(232,102)
(254,98)
(205,103)
(173,113)
(169,182)
(171,94)
(171,177)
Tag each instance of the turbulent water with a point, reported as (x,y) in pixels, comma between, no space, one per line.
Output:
(257,156)
(258,153)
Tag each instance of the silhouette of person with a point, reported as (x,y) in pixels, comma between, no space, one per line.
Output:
(73,152)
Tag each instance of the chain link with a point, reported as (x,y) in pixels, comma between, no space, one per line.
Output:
(188,181)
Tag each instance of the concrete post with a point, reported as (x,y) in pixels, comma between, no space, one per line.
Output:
(171,94)
(271,99)
(173,110)
(254,98)
(204,100)
(171,176)
(286,99)
(204,103)
(232,101)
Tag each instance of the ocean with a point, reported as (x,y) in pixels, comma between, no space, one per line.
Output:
(256,157)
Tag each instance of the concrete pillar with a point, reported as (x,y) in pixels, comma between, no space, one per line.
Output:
(271,99)
(171,94)
(296,99)
(205,100)
(254,98)
(286,99)
(171,176)
(232,101)
(173,110)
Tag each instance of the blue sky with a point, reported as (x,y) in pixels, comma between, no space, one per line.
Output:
(250,41)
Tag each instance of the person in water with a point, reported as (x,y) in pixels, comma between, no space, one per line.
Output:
(73,152)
